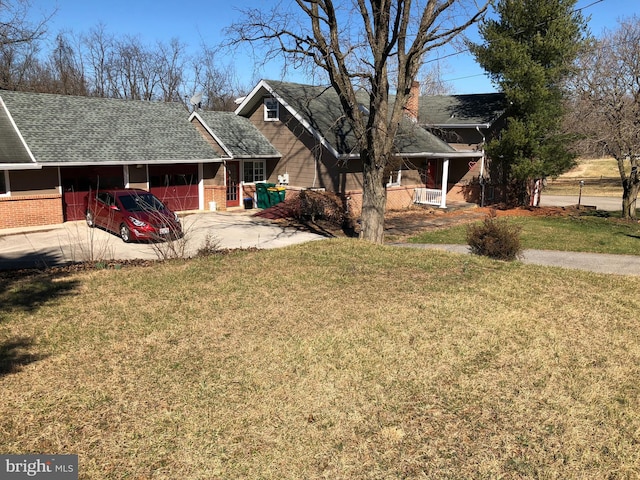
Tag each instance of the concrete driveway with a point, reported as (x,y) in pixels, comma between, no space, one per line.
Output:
(609,204)
(75,242)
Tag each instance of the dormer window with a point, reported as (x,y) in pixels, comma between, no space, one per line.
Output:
(271,110)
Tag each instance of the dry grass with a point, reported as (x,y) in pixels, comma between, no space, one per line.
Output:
(333,359)
(600,176)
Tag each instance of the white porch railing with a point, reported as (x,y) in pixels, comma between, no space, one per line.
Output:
(427,196)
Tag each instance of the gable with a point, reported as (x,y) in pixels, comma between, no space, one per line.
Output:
(13,151)
(319,110)
(237,135)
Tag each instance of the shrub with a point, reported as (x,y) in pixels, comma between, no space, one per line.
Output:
(313,205)
(495,238)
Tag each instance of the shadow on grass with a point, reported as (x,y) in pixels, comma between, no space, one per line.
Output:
(14,354)
(28,290)
(32,260)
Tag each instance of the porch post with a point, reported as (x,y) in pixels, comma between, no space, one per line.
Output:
(445,179)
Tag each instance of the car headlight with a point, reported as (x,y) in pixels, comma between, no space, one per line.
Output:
(137,223)
(175,216)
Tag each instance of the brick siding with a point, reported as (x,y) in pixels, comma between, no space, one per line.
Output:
(30,210)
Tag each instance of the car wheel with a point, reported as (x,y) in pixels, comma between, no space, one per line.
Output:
(90,220)
(125,234)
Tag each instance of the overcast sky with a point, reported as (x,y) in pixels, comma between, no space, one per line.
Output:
(195,22)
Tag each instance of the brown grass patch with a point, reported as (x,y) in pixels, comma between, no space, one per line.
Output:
(333,359)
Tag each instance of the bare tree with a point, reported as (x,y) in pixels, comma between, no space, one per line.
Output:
(374,44)
(171,63)
(68,77)
(432,82)
(15,27)
(99,53)
(606,104)
(215,80)
(19,44)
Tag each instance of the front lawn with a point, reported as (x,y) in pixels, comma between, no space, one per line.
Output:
(334,359)
(574,233)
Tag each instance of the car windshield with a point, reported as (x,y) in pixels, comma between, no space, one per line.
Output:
(141,202)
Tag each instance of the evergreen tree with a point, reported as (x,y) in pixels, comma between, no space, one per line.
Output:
(529,51)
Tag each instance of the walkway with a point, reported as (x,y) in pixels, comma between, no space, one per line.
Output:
(592,262)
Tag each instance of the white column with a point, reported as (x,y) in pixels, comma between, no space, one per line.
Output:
(445,179)
(200,186)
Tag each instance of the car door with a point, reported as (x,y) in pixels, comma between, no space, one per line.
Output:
(104,210)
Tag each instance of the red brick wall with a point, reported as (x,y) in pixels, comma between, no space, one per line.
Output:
(30,210)
(397,199)
(218,194)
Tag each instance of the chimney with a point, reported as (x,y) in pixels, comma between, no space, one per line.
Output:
(413,102)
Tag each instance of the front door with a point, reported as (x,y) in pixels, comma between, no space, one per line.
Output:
(233,184)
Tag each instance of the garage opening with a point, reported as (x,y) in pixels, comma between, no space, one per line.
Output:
(78,181)
(175,185)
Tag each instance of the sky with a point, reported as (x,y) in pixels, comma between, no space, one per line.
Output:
(196,22)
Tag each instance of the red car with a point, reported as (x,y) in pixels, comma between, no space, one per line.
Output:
(133,214)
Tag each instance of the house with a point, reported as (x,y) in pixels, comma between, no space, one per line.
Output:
(467,123)
(306,125)
(55,148)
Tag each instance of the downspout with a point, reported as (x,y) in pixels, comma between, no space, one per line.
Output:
(481,169)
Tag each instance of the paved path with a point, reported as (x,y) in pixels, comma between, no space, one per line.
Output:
(75,242)
(593,262)
(610,204)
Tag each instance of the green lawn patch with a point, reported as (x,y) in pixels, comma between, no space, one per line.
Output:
(572,233)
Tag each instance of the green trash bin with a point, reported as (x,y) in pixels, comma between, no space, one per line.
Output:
(263,199)
(276,195)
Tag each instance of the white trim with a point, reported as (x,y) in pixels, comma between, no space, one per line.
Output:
(267,109)
(23,166)
(125,175)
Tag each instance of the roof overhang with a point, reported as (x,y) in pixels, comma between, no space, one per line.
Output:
(468,154)
(456,125)
(132,162)
(20,166)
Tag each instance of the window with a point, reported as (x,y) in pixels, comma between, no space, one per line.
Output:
(271,110)
(3,182)
(398,179)
(254,171)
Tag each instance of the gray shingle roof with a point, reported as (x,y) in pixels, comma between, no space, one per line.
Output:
(66,129)
(239,135)
(12,150)
(320,107)
(474,109)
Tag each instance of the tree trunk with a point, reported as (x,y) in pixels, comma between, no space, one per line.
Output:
(374,199)
(629,196)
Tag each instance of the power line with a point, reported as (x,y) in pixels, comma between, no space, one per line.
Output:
(466,50)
